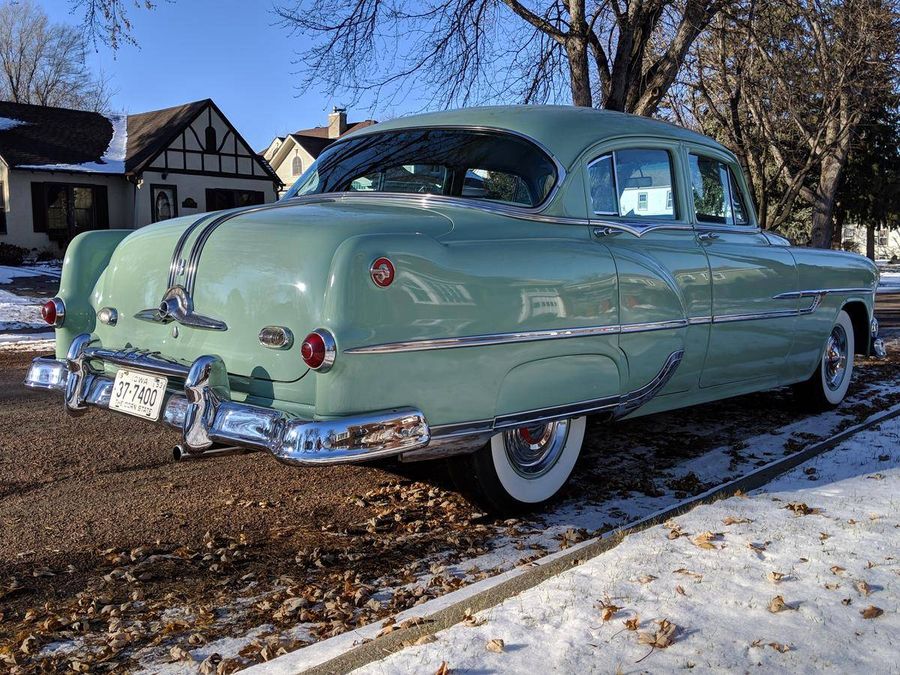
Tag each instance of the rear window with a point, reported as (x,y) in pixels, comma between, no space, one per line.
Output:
(479,165)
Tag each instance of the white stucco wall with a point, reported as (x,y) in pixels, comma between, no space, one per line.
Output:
(193,186)
(285,158)
(19,218)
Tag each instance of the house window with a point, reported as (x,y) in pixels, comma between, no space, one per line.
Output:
(642,201)
(64,210)
(297,166)
(218,199)
(211,144)
(2,208)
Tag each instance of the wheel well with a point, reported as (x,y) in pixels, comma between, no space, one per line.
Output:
(859,316)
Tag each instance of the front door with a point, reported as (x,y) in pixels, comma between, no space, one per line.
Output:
(751,328)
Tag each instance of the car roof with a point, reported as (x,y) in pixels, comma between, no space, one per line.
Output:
(566,131)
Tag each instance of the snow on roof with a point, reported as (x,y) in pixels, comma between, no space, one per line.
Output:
(113,159)
(9,123)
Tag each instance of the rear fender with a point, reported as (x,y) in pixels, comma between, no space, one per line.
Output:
(80,286)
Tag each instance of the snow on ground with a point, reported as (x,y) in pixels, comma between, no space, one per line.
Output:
(19,312)
(43,269)
(800,576)
(113,160)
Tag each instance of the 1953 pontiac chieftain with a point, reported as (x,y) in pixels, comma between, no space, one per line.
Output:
(468,284)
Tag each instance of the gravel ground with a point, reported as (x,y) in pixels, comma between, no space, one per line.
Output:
(112,556)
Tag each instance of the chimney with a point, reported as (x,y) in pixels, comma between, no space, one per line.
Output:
(337,122)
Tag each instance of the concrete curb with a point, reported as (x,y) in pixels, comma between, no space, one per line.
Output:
(523,578)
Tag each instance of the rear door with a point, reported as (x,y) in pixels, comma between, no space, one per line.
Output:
(638,205)
(752,329)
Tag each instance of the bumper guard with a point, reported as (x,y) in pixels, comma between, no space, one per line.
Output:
(206,415)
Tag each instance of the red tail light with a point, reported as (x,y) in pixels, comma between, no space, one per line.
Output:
(318,350)
(54,312)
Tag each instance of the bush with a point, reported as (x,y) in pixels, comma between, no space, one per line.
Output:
(12,255)
(46,256)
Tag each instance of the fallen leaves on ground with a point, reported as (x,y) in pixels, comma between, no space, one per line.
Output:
(661,638)
(495,645)
(863,588)
(688,573)
(733,520)
(777,604)
(633,623)
(443,669)
(704,540)
(470,620)
(871,612)
(608,610)
(774,576)
(801,509)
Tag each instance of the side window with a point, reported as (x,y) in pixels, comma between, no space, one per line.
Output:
(633,183)
(716,193)
(500,186)
(738,208)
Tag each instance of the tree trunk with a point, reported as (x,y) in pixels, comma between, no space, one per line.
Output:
(823,203)
(870,241)
(576,50)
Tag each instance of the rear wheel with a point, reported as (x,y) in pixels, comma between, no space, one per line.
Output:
(828,385)
(521,469)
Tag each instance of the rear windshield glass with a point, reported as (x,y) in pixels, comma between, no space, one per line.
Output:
(486,165)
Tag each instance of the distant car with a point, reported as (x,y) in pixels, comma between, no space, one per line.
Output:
(466,284)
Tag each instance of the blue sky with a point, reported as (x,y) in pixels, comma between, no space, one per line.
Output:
(226,50)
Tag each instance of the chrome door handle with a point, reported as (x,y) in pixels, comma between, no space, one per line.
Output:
(707,236)
(605,231)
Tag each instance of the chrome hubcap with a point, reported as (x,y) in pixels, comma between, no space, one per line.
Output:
(535,449)
(835,357)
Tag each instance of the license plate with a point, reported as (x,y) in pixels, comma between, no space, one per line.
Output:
(138,394)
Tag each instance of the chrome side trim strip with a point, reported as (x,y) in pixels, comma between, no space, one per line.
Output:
(617,406)
(794,295)
(179,247)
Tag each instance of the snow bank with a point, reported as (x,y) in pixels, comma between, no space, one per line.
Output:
(832,558)
(8,273)
(113,160)
(18,312)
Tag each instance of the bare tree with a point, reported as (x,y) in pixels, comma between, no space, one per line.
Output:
(621,54)
(44,63)
(786,84)
(108,21)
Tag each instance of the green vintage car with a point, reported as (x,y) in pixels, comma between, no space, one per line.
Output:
(466,284)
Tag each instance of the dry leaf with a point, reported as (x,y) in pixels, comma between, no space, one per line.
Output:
(177,653)
(778,647)
(832,587)
(801,509)
(704,540)
(470,620)
(756,547)
(680,590)
(871,612)
(688,573)
(863,587)
(835,569)
(662,637)
(607,611)
(632,623)
(775,577)
(777,604)
(443,669)
(732,520)
(425,639)
(647,578)
(495,645)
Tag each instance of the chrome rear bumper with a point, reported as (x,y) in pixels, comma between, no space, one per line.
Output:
(204,412)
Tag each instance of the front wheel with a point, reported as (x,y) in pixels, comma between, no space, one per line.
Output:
(828,385)
(521,469)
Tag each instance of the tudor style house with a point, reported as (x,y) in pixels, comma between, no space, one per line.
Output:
(65,171)
(291,155)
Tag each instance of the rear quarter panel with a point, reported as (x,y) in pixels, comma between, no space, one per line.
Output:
(492,275)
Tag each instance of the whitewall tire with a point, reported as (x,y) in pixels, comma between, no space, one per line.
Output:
(828,385)
(523,468)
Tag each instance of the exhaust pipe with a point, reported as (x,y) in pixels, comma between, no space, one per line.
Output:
(181,454)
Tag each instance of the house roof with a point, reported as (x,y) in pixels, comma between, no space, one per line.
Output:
(150,132)
(41,137)
(316,139)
